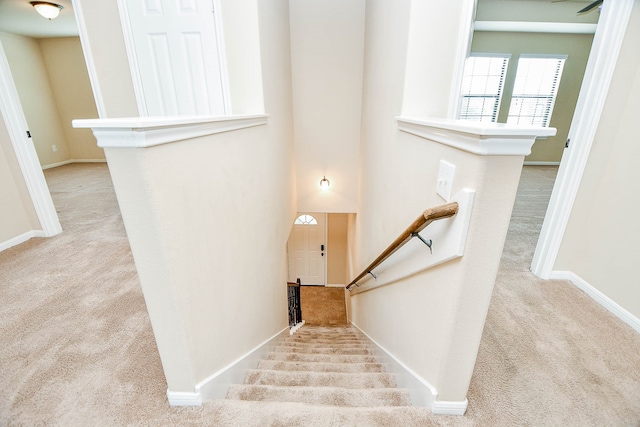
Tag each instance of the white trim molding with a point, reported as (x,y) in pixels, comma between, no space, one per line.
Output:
(16,124)
(487,139)
(537,163)
(142,132)
(216,385)
(595,87)
(88,58)
(55,165)
(442,407)
(421,391)
(182,398)
(535,27)
(68,162)
(612,306)
(21,239)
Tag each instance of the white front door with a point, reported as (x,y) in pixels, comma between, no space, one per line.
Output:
(175,55)
(307,249)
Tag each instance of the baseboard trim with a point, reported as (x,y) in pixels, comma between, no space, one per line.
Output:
(216,385)
(89,161)
(598,297)
(68,162)
(180,398)
(335,285)
(55,165)
(422,393)
(293,330)
(534,163)
(441,407)
(20,239)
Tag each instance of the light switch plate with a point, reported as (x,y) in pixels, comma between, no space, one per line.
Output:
(445,180)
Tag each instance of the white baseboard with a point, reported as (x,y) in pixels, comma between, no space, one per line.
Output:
(296,327)
(422,393)
(180,398)
(334,285)
(441,407)
(21,239)
(216,385)
(599,297)
(534,163)
(67,162)
(55,165)
(89,161)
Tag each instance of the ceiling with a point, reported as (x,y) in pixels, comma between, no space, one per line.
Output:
(19,17)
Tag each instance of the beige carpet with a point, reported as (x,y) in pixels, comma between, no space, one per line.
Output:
(76,346)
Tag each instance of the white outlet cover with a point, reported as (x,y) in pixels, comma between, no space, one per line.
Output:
(444,184)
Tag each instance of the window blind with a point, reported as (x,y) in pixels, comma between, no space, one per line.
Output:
(535,90)
(482,86)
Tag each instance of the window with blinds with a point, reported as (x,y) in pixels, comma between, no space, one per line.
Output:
(482,86)
(535,90)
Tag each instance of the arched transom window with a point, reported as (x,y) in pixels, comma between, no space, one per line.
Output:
(306,220)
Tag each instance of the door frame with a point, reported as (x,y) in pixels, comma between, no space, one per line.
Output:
(25,151)
(16,123)
(598,75)
(602,62)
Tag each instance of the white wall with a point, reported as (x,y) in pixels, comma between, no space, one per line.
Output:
(243,55)
(432,321)
(435,32)
(327,47)
(600,244)
(208,220)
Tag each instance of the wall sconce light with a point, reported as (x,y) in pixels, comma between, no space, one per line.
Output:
(324,183)
(46,9)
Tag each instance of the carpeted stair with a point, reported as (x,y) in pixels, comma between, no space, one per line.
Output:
(320,376)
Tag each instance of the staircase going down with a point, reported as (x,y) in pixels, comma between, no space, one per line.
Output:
(320,376)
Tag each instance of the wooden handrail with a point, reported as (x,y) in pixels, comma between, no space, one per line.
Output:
(432,214)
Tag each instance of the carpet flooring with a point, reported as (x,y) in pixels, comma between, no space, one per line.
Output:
(77,349)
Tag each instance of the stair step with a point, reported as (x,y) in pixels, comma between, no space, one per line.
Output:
(277,365)
(320,379)
(322,350)
(232,413)
(322,396)
(354,344)
(322,358)
(322,345)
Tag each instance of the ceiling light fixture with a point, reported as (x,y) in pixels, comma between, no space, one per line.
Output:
(324,183)
(46,9)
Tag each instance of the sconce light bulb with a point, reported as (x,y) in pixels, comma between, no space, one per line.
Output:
(324,183)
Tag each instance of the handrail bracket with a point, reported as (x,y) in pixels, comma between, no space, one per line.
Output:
(372,274)
(429,242)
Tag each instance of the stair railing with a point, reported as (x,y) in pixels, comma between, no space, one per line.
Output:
(295,309)
(432,214)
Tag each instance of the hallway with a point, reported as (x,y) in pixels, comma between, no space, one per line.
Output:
(76,344)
